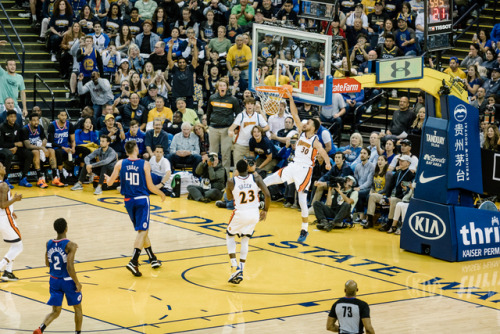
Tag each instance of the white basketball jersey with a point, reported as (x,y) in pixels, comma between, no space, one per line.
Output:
(10,209)
(305,153)
(245,192)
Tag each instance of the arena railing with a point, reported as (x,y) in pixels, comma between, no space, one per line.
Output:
(52,106)
(21,56)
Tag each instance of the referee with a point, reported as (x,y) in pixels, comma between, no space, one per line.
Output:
(353,314)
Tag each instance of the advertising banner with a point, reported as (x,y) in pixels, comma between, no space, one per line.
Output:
(490,161)
(427,229)
(464,167)
(433,161)
(478,233)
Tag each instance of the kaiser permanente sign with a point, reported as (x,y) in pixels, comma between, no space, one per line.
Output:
(441,220)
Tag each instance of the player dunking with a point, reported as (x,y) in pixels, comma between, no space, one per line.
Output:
(60,257)
(244,188)
(135,181)
(8,226)
(300,170)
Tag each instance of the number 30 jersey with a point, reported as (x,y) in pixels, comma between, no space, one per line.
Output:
(305,153)
(133,178)
(245,192)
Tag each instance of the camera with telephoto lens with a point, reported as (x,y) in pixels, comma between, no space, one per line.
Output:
(250,161)
(334,180)
(212,159)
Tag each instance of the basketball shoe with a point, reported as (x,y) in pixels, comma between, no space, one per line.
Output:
(303,236)
(9,276)
(155,263)
(134,269)
(236,277)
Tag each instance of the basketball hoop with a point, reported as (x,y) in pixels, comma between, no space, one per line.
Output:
(271,97)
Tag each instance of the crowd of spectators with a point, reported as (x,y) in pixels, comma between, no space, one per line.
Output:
(173,76)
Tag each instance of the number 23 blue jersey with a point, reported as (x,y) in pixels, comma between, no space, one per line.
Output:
(133,178)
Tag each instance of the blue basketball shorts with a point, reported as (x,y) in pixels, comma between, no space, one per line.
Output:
(138,211)
(60,287)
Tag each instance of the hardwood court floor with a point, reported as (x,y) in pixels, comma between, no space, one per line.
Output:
(288,287)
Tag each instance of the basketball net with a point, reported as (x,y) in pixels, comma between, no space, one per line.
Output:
(271,97)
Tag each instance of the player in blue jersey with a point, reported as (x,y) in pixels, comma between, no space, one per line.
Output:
(135,181)
(60,258)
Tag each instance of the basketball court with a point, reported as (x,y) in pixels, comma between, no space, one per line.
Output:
(288,287)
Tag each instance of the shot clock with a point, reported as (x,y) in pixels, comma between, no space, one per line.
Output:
(438,24)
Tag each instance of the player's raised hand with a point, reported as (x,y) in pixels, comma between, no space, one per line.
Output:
(262,215)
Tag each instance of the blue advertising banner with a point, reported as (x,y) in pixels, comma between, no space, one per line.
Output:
(428,229)
(464,167)
(478,233)
(433,163)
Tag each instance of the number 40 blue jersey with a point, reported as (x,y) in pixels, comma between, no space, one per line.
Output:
(133,178)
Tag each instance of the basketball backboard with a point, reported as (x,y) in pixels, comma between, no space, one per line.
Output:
(295,57)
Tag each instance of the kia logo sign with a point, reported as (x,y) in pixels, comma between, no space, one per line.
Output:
(347,85)
(460,113)
(427,225)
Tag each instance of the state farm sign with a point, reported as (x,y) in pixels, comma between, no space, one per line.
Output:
(347,85)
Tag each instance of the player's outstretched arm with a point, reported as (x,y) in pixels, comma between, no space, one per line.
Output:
(71,248)
(295,114)
(149,182)
(116,171)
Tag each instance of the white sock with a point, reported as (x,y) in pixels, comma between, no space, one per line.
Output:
(305,226)
(244,249)
(9,266)
(242,265)
(234,263)
(3,263)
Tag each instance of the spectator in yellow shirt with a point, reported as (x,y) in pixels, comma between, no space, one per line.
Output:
(270,80)
(453,70)
(241,55)
(160,112)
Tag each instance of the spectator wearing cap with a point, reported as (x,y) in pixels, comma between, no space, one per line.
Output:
(188,114)
(473,58)
(454,70)
(149,101)
(397,188)
(264,48)
(241,55)
(115,132)
(358,13)
(405,38)
(340,202)
(185,148)
(213,180)
(147,39)
(159,57)
(377,18)
(100,92)
(405,151)
(244,12)
(183,74)
(492,86)
(146,9)
(156,137)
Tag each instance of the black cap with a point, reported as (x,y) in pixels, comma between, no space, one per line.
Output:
(10,112)
(152,86)
(406,142)
(496,69)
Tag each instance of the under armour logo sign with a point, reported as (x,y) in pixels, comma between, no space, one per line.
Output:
(396,69)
